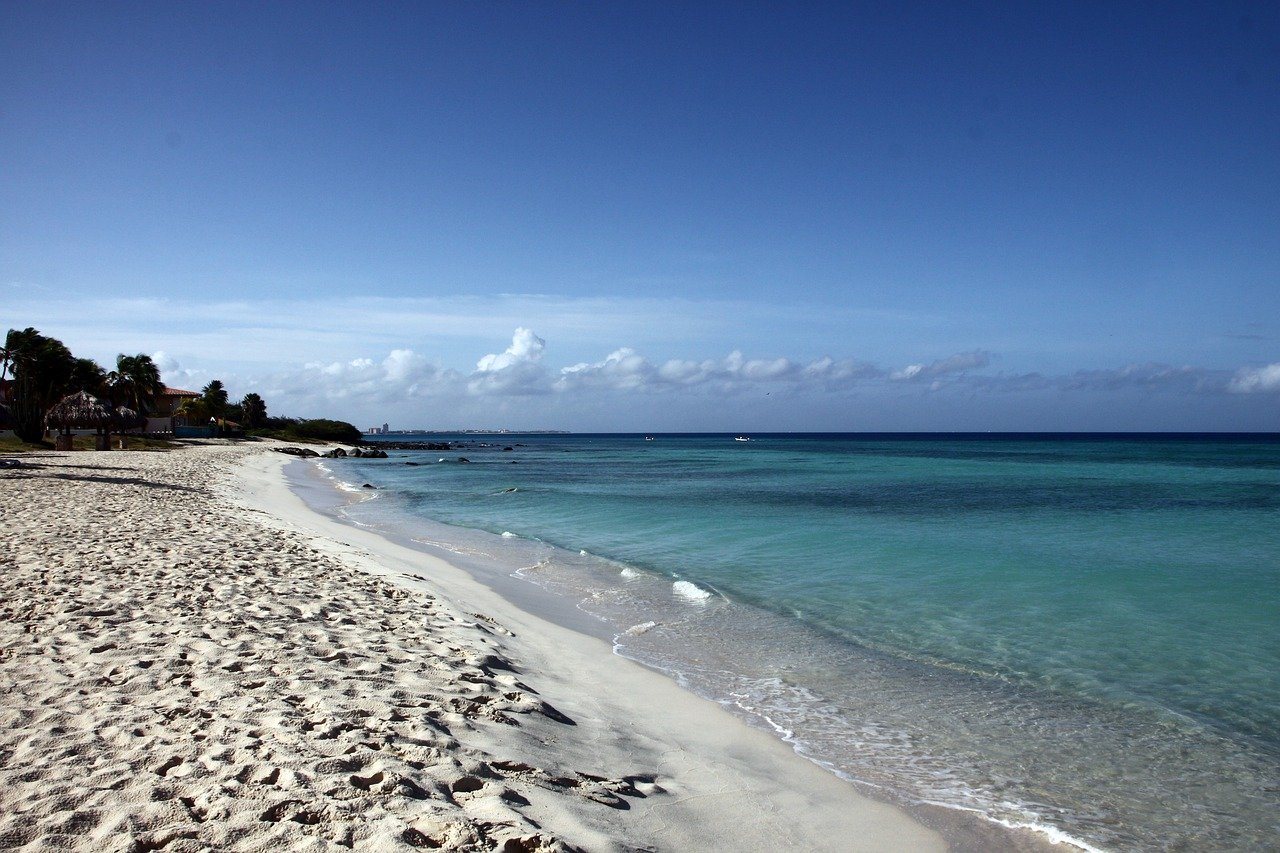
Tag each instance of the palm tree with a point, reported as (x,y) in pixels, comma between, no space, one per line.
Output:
(193,411)
(6,357)
(253,410)
(215,398)
(42,369)
(88,375)
(135,382)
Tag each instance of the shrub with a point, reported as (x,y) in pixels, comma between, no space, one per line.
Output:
(323,429)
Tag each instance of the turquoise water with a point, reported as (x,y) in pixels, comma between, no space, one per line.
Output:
(1081,635)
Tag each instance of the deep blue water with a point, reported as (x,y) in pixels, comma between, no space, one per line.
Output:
(1080,633)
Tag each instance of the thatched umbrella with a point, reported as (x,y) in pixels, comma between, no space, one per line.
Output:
(123,418)
(80,410)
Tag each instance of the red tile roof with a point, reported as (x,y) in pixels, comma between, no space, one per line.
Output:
(178,392)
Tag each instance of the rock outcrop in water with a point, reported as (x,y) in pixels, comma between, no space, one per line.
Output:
(303,452)
(336,453)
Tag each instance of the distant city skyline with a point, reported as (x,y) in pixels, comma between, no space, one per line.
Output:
(659,217)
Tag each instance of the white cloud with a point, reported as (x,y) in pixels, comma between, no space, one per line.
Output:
(955,364)
(840,374)
(403,373)
(908,372)
(406,367)
(1150,376)
(525,347)
(165,362)
(627,370)
(622,369)
(1257,380)
(520,379)
(516,371)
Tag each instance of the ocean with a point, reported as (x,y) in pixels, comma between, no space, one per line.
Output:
(1079,634)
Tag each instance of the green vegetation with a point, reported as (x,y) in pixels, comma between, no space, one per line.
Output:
(36,372)
(88,375)
(194,411)
(309,431)
(42,369)
(134,383)
(253,411)
(215,399)
(12,444)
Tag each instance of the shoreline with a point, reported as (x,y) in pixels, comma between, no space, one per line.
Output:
(964,829)
(194,659)
(662,718)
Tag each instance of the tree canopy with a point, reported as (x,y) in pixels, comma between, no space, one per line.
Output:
(214,396)
(88,376)
(42,370)
(253,410)
(327,430)
(39,371)
(135,382)
(194,411)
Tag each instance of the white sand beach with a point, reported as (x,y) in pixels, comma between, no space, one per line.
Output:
(192,659)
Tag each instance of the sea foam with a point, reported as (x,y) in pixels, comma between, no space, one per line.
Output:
(690,591)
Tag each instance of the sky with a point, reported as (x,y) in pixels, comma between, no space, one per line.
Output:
(659,216)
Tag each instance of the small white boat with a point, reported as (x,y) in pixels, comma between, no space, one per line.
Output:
(741,438)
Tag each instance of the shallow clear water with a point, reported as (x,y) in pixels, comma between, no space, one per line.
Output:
(1081,635)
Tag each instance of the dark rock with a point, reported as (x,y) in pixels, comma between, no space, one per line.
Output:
(463,459)
(507,449)
(415,445)
(415,464)
(297,451)
(368,486)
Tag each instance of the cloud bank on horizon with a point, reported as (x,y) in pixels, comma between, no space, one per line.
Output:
(407,383)
(646,365)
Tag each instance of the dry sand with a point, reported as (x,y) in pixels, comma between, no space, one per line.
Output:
(191,659)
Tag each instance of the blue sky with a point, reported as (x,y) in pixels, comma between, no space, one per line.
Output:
(651,216)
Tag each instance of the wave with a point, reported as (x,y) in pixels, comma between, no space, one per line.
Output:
(344,485)
(691,591)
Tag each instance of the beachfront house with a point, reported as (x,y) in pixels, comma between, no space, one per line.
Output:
(162,417)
